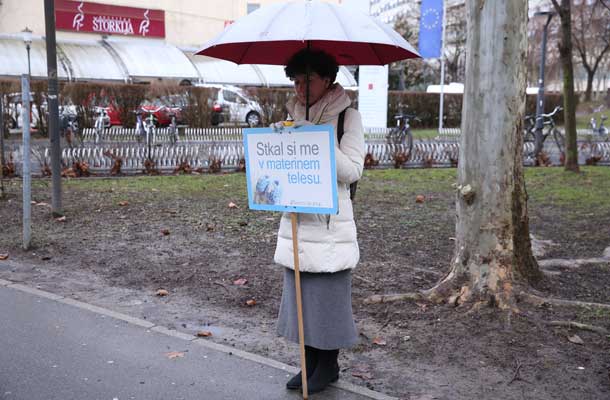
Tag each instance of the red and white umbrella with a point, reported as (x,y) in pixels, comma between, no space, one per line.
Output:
(272,34)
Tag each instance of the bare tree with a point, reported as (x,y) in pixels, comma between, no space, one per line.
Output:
(493,255)
(591,36)
(455,48)
(569,99)
(407,73)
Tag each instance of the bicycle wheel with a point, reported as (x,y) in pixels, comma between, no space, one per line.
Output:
(560,140)
(391,137)
(528,136)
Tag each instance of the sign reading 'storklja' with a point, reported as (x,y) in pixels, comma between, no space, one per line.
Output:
(80,16)
(291,171)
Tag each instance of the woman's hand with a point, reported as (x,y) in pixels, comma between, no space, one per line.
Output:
(300,123)
(278,127)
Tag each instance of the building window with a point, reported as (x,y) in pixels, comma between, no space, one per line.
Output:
(253,7)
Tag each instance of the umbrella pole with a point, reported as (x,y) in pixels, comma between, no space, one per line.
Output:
(297,282)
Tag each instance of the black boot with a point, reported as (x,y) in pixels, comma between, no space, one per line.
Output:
(327,371)
(311,359)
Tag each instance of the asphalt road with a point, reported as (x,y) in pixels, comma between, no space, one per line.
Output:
(51,350)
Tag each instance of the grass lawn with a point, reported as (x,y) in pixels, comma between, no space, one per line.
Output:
(587,190)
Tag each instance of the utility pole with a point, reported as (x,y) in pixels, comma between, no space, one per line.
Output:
(1,145)
(26,168)
(49,15)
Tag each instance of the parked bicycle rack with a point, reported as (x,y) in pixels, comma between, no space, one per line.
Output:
(199,147)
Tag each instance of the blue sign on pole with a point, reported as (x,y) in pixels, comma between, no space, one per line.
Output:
(431,28)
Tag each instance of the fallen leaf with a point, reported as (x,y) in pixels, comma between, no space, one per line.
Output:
(162,292)
(165,232)
(251,302)
(210,227)
(3,256)
(420,198)
(240,281)
(379,341)
(42,204)
(575,339)
(123,203)
(243,223)
(204,333)
(33,202)
(174,354)
(232,205)
(61,219)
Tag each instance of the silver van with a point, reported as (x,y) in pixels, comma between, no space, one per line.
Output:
(233,106)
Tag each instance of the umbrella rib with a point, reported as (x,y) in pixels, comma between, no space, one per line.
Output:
(281,10)
(334,12)
(376,54)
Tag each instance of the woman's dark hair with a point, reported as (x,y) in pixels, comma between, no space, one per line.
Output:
(318,61)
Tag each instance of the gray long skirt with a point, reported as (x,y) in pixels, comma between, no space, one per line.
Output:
(328,322)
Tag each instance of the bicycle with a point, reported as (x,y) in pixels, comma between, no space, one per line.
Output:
(100,123)
(600,131)
(401,134)
(140,131)
(529,132)
(549,123)
(173,129)
(69,127)
(150,130)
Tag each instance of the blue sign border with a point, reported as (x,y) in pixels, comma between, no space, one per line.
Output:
(333,170)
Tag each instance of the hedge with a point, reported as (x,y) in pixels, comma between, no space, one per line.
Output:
(197,102)
(426,107)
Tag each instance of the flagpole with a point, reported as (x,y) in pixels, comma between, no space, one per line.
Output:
(440,111)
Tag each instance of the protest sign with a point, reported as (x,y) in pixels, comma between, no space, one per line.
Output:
(292,171)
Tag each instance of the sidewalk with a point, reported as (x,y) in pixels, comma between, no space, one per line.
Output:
(58,348)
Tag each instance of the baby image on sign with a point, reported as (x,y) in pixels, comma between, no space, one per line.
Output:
(293,170)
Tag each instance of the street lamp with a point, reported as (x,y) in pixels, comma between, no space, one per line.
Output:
(27,39)
(540,98)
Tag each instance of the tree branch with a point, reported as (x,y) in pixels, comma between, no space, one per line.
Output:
(558,8)
(578,325)
(538,301)
(388,298)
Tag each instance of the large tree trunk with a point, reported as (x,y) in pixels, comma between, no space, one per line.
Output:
(569,100)
(493,249)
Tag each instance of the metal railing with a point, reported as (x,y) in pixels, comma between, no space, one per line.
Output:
(200,148)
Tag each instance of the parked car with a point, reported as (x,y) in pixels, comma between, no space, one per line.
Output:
(234,106)
(161,112)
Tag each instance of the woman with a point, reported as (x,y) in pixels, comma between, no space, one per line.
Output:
(328,248)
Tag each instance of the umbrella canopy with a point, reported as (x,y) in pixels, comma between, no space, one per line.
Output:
(272,34)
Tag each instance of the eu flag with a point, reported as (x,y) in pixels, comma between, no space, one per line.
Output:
(431,28)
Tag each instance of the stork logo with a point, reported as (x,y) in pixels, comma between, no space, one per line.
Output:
(144,25)
(77,22)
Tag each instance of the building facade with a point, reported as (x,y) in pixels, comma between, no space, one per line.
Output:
(130,41)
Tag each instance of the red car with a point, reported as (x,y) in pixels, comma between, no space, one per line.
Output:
(161,110)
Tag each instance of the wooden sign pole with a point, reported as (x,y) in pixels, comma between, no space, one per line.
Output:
(297,281)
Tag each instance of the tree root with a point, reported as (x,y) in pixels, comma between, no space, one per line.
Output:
(538,301)
(578,325)
(573,264)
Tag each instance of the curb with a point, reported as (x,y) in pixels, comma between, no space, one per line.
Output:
(350,387)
